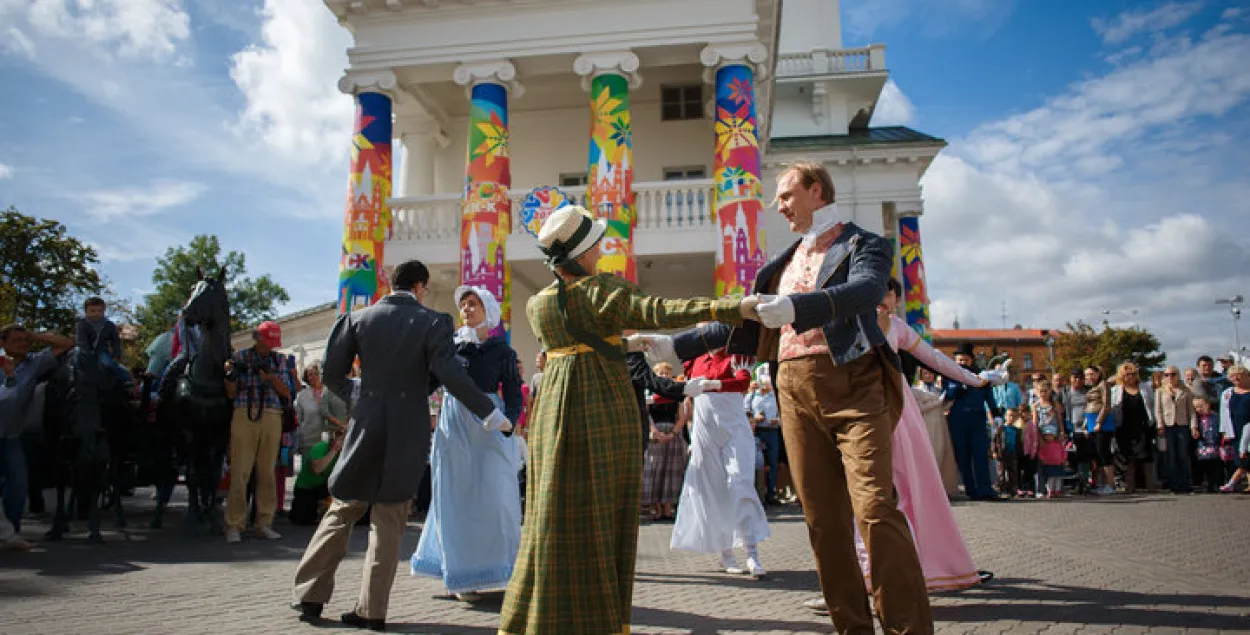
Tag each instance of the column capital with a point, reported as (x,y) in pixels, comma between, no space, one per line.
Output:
(624,63)
(417,126)
(752,54)
(907,209)
(500,72)
(356,82)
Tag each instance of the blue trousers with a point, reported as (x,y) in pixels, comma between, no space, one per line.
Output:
(13,480)
(1177,459)
(772,454)
(970,439)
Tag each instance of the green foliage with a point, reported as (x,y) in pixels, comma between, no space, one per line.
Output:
(46,273)
(1081,345)
(251,300)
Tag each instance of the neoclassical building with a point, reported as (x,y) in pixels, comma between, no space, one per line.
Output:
(669,118)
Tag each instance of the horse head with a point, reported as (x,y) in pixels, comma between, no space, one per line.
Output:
(209,309)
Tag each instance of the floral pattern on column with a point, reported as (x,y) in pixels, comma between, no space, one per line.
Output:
(610,186)
(486,211)
(738,197)
(915,293)
(367,222)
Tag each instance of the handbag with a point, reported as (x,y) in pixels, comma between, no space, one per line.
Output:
(1228,453)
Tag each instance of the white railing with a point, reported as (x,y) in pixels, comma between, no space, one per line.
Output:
(661,206)
(822,62)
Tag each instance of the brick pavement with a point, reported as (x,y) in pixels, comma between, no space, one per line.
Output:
(1157,564)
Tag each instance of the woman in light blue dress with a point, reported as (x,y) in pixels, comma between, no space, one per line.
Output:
(473,529)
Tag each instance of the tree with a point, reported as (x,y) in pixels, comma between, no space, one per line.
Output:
(1081,346)
(46,273)
(251,301)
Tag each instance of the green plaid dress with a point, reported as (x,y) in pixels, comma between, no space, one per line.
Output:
(574,574)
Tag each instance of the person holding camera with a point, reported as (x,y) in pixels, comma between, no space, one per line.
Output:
(258,379)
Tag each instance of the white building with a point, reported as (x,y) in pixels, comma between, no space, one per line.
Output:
(813,100)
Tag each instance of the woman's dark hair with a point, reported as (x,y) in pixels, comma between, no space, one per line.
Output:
(308,369)
(1101,375)
(894,285)
(410,274)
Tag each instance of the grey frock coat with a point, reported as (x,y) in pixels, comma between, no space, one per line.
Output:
(405,349)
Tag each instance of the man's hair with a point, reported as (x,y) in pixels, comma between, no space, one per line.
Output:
(894,285)
(811,172)
(94,301)
(1207,359)
(11,328)
(410,274)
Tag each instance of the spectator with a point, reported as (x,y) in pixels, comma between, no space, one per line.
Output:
(1210,385)
(1008,395)
(1006,452)
(1208,441)
(1132,411)
(1178,424)
(1028,452)
(1101,427)
(311,488)
(308,411)
(767,423)
(20,370)
(1191,376)
(161,351)
(1234,417)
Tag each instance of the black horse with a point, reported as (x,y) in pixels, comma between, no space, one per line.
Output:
(87,415)
(193,401)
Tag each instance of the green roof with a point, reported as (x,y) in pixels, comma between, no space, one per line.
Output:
(886,135)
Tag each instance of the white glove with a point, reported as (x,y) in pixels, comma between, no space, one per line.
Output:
(777,312)
(660,347)
(711,385)
(694,387)
(995,377)
(497,421)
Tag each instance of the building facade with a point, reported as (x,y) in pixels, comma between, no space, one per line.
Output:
(668,118)
(1028,348)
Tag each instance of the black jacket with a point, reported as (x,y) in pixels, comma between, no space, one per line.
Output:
(493,365)
(644,379)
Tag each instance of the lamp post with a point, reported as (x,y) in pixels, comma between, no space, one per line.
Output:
(1132,315)
(1050,348)
(1234,306)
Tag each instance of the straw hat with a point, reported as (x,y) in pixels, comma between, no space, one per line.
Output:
(570,231)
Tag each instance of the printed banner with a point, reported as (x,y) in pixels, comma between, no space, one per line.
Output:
(367,222)
(538,205)
(610,185)
(739,196)
(915,294)
(485,210)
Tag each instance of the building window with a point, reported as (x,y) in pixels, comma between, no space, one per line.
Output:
(574,179)
(685,173)
(1028,361)
(681,102)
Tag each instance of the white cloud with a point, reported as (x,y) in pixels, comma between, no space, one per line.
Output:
(130,28)
(893,107)
(6,172)
(155,198)
(1121,193)
(1131,23)
(290,83)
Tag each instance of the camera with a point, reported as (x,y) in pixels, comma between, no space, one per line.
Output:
(246,367)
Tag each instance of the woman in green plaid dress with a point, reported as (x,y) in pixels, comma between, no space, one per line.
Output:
(575,571)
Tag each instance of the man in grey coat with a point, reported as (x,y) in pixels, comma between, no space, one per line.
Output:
(405,350)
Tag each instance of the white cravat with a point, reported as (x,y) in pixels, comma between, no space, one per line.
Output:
(823,220)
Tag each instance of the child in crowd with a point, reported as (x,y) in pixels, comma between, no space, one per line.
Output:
(1006,451)
(1051,455)
(98,335)
(1210,464)
(1029,483)
(312,490)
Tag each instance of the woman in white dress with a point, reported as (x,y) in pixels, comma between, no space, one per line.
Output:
(719,508)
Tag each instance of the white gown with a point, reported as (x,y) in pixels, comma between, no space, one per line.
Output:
(719,507)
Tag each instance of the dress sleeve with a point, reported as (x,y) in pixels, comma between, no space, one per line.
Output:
(635,310)
(909,340)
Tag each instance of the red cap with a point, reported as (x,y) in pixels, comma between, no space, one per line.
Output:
(271,333)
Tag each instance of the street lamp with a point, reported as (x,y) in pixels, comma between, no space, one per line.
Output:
(1131,314)
(1234,306)
(1050,348)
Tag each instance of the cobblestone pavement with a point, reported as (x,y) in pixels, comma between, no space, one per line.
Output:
(1158,564)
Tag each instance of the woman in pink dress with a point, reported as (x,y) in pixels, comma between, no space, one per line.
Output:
(921,495)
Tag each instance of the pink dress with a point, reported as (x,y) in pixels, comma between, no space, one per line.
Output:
(921,495)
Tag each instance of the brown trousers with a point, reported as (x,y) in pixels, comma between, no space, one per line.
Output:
(314,579)
(838,422)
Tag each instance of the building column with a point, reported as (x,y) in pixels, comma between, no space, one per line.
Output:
(911,264)
(610,185)
(367,221)
(485,210)
(738,198)
(419,140)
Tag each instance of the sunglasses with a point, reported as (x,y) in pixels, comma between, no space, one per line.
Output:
(1169,374)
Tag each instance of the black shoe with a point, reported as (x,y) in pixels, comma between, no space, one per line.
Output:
(308,611)
(354,619)
(985,576)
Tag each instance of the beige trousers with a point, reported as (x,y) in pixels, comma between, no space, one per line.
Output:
(314,579)
(253,444)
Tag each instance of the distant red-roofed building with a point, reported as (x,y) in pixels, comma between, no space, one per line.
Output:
(1026,346)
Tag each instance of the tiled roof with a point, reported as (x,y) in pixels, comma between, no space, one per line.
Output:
(986,334)
(856,137)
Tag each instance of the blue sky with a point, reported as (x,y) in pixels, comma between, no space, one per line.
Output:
(1097,156)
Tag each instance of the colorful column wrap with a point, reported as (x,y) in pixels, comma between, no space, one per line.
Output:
(486,211)
(738,198)
(915,294)
(367,222)
(610,186)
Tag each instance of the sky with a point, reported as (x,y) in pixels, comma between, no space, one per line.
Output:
(1097,158)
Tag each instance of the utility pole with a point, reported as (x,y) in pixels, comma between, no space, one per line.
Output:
(1004,315)
(1234,307)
